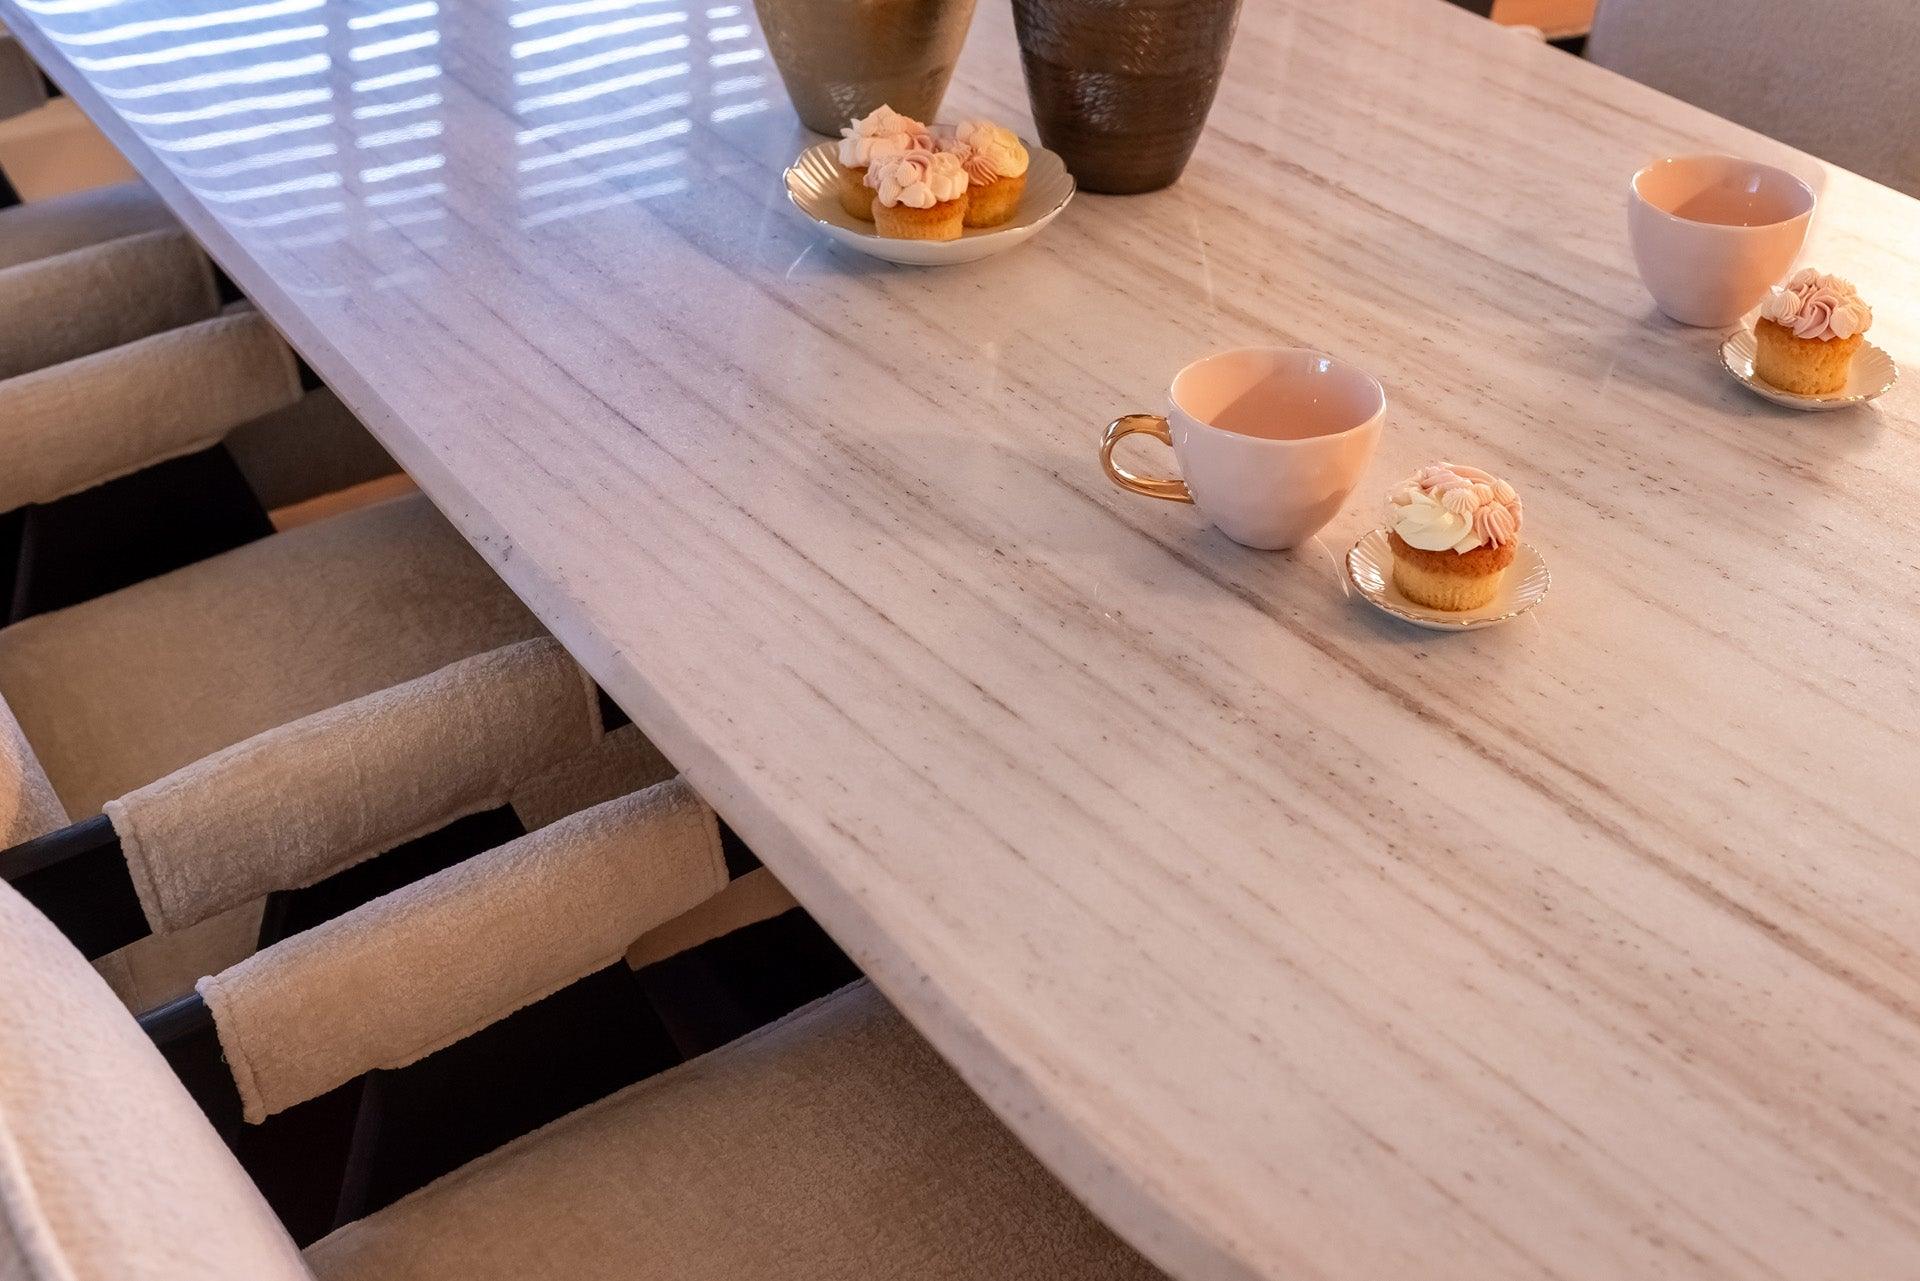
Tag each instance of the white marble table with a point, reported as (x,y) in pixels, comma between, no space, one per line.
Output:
(1300,944)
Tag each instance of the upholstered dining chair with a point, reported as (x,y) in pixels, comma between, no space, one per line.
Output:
(61,224)
(99,296)
(518,736)
(832,1144)
(112,693)
(105,697)
(1835,79)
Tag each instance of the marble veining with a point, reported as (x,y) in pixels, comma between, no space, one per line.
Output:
(1300,943)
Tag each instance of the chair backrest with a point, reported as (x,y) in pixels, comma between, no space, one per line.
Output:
(1834,78)
(108,1171)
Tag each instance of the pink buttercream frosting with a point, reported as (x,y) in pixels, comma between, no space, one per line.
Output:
(917,179)
(882,132)
(1450,508)
(1815,306)
(986,151)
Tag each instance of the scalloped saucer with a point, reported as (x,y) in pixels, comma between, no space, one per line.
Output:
(1872,374)
(1370,570)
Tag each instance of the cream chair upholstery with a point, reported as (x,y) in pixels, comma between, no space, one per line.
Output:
(99,296)
(1835,79)
(108,1170)
(64,223)
(77,424)
(119,691)
(553,907)
(301,802)
(116,692)
(832,1145)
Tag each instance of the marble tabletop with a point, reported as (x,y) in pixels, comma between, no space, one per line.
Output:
(1299,943)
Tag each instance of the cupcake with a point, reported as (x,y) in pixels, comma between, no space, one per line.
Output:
(1807,333)
(881,132)
(1454,530)
(918,195)
(996,165)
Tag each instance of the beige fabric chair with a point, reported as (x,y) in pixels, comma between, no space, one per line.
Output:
(1836,78)
(117,692)
(300,802)
(89,299)
(83,422)
(553,907)
(61,224)
(832,1145)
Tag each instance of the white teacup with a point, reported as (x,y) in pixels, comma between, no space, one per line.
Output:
(1711,234)
(1270,441)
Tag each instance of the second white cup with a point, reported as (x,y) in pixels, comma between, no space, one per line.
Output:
(1711,234)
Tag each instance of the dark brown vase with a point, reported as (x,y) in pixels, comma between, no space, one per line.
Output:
(1121,88)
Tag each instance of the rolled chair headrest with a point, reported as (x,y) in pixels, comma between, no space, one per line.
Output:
(295,804)
(398,978)
(89,299)
(79,424)
(75,219)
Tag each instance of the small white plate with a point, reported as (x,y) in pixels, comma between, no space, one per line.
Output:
(813,185)
(1370,570)
(1873,373)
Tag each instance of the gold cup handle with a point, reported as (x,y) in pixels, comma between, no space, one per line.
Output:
(1174,491)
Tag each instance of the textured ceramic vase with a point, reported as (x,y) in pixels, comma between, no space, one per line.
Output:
(1121,88)
(843,58)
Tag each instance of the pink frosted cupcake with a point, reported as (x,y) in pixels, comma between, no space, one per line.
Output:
(880,133)
(1454,531)
(1808,331)
(918,195)
(996,165)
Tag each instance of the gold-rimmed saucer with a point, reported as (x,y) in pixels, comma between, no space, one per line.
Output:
(1370,570)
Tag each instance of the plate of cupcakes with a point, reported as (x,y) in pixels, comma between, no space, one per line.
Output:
(928,195)
(1450,559)
(1807,347)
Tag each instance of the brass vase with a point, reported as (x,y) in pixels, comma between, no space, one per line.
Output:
(1121,88)
(842,58)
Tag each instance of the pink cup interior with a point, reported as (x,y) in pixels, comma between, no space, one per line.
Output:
(1277,393)
(1724,191)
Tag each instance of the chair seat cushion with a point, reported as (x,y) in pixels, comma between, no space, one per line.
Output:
(119,691)
(834,1145)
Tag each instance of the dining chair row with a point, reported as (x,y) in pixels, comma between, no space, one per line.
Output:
(833,1143)
(121,361)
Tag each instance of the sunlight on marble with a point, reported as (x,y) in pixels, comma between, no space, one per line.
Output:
(387,17)
(186,22)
